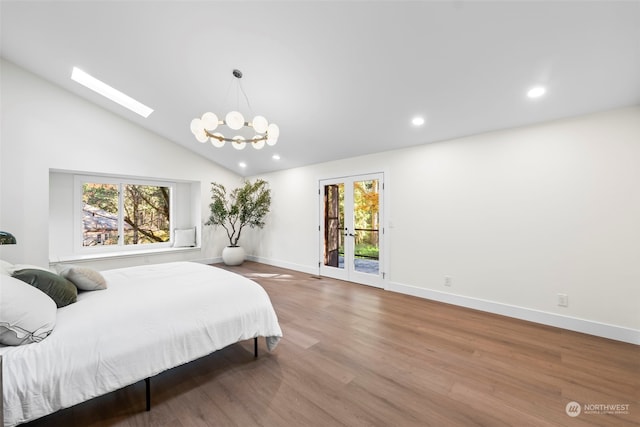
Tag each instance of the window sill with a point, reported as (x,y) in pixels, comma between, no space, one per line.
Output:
(120,254)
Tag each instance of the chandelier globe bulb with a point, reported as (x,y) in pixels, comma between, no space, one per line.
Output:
(234,120)
(209,121)
(239,142)
(196,126)
(219,141)
(260,124)
(259,144)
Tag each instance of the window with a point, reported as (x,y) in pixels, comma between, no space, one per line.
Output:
(164,205)
(123,213)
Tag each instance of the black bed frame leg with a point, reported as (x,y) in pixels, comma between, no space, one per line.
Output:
(147,382)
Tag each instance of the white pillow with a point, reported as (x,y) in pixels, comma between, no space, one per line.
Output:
(18,267)
(184,238)
(85,279)
(4,268)
(27,314)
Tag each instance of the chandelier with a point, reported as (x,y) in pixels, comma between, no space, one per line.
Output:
(204,128)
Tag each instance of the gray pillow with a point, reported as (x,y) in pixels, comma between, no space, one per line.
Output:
(62,291)
(85,279)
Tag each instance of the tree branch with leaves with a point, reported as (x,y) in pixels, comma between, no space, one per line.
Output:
(243,206)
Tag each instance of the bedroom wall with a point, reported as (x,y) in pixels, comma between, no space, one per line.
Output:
(513,217)
(46,128)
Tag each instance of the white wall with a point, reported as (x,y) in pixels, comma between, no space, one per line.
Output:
(45,127)
(514,217)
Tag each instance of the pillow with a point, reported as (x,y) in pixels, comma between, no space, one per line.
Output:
(26,314)
(4,268)
(17,267)
(184,238)
(62,291)
(84,278)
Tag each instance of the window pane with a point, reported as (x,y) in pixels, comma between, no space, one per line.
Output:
(99,214)
(334,225)
(146,214)
(366,211)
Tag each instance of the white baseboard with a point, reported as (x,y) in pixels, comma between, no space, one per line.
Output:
(590,327)
(283,264)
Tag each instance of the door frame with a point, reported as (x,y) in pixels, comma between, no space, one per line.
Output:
(347,273)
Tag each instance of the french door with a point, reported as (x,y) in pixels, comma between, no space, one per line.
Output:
(351,233)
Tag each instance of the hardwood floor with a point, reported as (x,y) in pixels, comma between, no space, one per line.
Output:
(358,356)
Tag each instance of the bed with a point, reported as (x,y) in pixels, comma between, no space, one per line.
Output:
(149,319)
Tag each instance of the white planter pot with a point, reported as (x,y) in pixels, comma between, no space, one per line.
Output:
(233,255)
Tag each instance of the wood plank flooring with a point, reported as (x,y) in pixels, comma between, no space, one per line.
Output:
(359,356)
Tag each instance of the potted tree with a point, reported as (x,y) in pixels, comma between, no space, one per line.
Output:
(245,205)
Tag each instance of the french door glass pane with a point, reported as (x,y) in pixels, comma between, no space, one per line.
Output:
(334,225)
(366,213)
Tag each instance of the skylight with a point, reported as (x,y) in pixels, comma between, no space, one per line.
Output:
(109,92)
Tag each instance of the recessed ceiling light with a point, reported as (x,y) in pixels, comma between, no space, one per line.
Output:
(109,92)
(242,164)
(417,121)
(276,157)
(536,92)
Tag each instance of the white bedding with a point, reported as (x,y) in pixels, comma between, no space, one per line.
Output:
(150,319)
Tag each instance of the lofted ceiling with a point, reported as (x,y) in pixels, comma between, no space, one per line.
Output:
(340,78)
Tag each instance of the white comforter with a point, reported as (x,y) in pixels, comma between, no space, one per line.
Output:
(150,319)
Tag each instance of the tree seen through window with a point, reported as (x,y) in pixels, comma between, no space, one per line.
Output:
(145,216)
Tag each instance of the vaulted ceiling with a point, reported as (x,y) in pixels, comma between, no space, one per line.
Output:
(340,78)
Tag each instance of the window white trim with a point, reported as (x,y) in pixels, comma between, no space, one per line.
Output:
(122,254)
(120,248)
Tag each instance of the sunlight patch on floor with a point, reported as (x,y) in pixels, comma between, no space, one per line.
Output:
(270,276)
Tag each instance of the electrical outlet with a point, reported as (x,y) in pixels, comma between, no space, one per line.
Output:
(447,280)
(563,300)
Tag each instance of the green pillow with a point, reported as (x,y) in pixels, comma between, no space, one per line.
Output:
(62,291)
